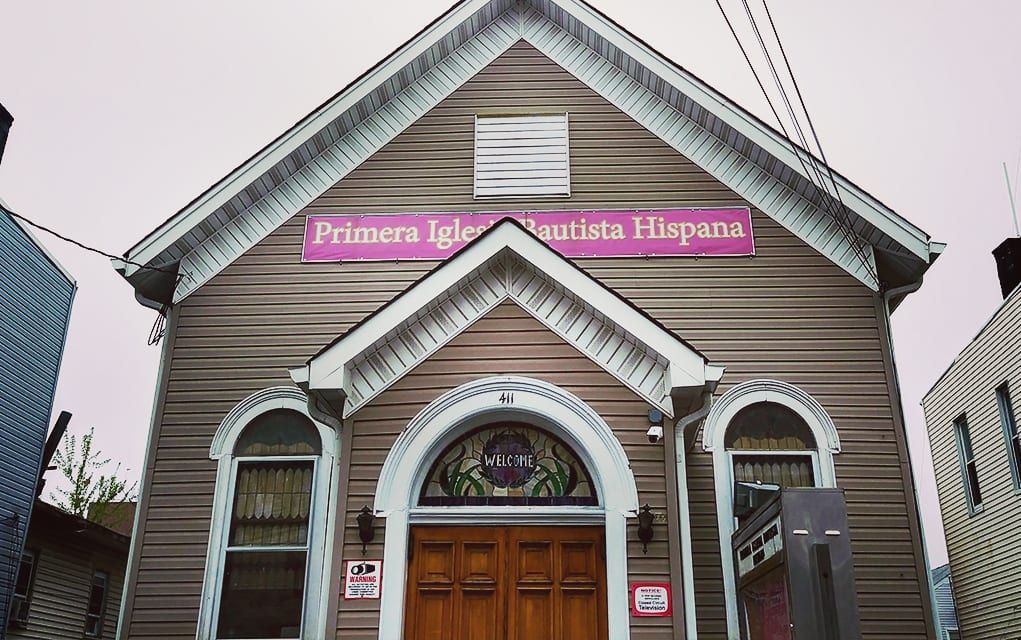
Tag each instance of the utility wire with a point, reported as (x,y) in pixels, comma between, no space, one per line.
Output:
(804,108)
(827,201)
(159,326)
(837,211)
(81,245)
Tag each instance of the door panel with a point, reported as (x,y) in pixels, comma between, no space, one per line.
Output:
(506,583)
(454,580)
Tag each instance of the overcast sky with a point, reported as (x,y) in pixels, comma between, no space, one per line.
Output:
(125,111)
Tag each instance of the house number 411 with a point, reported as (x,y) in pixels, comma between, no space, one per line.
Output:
(506,398)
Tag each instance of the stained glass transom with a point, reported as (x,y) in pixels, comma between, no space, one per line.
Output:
(769,426)
(508,464)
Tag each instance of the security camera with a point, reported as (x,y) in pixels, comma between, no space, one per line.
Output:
(655,432)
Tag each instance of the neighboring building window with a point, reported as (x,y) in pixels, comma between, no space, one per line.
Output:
(1011,433)
(969,469)
(22,596)
(97,605)
(522,156)
(265,564)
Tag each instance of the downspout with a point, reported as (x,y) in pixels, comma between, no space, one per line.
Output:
(687,569)
(887,297)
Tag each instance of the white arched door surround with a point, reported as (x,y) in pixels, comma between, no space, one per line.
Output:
(713,440)
(493,399)
(322,522)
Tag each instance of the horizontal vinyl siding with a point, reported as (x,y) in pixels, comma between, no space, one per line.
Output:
(786,313)
(507,341)
(60,593)
(35,304)
(983,549)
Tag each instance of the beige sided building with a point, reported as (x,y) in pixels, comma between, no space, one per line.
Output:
(972,417)
(479,348)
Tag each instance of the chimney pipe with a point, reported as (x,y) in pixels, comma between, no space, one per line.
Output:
(1008,265)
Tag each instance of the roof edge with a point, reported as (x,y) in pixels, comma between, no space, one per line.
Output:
(778,145)
(27,229)
(277,149)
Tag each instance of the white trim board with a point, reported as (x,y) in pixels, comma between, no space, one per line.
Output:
(475,403)
(254,200)
(508,263)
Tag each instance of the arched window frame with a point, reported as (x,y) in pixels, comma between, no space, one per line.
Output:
(713,441)
(321,521)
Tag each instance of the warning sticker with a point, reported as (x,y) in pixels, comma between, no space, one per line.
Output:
(651,599)
(362,579)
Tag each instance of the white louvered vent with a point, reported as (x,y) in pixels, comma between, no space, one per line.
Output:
(519,156)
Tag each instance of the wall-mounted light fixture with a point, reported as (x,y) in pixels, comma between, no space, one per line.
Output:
(645,518)
(366,530)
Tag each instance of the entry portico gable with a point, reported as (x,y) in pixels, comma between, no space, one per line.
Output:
(507,263)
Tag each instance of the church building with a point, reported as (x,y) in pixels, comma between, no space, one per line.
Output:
(507,340)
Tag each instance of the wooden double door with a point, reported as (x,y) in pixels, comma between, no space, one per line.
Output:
(506,583)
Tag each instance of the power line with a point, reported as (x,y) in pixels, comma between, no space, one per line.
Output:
(804,108)
(837,211)
(84,246)
(827,203)
(159,326)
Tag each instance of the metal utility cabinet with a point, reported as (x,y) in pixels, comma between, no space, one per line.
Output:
(795,577)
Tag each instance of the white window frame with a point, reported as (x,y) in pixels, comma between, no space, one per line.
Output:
(962,430)
(811,454)
(101,617)
(714,441)
(1011,432)
(321,517)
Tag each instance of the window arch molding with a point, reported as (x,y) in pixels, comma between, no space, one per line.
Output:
(261,402)
(776,391)
(321,521)
(714,436)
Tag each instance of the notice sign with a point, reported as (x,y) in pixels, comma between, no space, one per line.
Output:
(575,234)
(651,599)
(362,579)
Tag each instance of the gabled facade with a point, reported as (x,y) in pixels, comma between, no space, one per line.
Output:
(35,307)
(527,343)
(973,421)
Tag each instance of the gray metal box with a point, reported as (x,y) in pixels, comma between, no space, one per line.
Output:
(794,570)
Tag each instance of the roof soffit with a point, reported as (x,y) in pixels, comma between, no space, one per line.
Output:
(508,264)
(732,145)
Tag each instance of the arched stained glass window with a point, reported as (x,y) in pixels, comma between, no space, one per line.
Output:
(771,443)
(768,425)
(267,547)
(508,463)
(280,432)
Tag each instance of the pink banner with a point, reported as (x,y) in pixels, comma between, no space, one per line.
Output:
(575,234)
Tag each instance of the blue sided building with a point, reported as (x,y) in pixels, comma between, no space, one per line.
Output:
(35,305)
